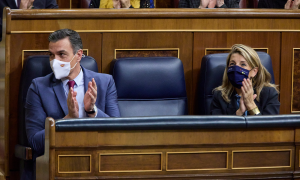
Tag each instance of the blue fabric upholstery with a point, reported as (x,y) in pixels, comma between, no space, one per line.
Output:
(35,66)
(178,123)
(152,86)
(211,76)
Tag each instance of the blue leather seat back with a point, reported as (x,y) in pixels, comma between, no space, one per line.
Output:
(211,76)
(150,86)
(37,66)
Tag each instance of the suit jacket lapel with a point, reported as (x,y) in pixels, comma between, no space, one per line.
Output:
(60,94)
(232,106)
(12,4)
(87,78)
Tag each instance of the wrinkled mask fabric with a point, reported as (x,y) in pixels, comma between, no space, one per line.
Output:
(236,75)
(61,69)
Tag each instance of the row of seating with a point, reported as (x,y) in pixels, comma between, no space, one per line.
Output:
(175,3)
(151,86)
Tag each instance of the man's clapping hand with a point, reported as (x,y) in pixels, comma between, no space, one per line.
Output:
(292,4)
(90,97)
(26,4)
(207,3)
(72,105)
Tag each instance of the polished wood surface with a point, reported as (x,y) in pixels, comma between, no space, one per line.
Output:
(149,156)
(191,31)
(296,81)
(162,13)
(65,4)
(289,42)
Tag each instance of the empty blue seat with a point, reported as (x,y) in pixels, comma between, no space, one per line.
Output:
(152,86)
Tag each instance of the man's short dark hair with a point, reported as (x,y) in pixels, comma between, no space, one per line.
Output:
(74,38)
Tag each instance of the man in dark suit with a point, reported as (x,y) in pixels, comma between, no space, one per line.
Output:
(25,4)
(71,91)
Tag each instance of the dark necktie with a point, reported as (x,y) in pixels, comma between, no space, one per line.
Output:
(19,2)
(71,84)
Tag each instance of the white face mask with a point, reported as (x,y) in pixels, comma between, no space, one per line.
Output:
(61,69)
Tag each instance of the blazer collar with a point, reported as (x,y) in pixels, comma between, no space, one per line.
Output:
(87,76)
(58,89)
(12,4)
(232,106)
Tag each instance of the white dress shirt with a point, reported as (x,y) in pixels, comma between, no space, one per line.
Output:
(79,88)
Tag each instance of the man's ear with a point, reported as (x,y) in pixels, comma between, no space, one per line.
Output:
(253,72)
(79,53)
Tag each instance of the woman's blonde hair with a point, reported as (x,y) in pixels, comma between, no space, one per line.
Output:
(262,78)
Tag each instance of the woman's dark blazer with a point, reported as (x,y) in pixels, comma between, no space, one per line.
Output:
(267,105)
(196,4)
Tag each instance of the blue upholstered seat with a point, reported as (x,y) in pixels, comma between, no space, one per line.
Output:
(152,86)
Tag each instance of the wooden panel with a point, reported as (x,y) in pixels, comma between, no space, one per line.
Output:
(289,42)
(27,53)
(196,161)
(270,40)
(150,138)
(64,4)
(75,4)
(76,139)
(93,42)
(130,162)
(2,69)
(237,15)
(183,41)
(164,3)
(261,159)
(297,160)
(2,93)
(296,82)
(74,164)
(146,53)
(227,50)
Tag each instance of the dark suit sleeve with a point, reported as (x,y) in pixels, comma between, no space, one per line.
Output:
(35,120)
(111,103)
(184,4)
(51,4)
(272,105)
(262,4)
(231,4)
(215,106)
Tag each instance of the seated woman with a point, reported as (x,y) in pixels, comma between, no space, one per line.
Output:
(279,4)
(246,88)
(117,4)
(209,4)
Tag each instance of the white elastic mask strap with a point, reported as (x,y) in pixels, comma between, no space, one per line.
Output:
(71,61)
